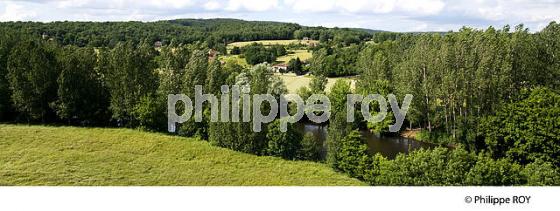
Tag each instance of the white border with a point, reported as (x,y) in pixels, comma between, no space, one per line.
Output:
(269,198)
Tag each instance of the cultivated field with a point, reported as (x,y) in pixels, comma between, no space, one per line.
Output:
(39,155)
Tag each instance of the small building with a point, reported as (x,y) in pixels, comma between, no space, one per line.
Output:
(282,67)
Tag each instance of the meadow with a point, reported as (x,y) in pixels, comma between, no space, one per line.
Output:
(271,42)
(43,155)
(303,55)
(294,82)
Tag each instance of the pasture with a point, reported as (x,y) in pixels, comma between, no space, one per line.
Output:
(42,155)
(294,82)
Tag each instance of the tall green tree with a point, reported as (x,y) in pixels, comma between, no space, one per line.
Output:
(7,42)
(283,144)
(295,66)
(32,75)
(130,76)
(82,98)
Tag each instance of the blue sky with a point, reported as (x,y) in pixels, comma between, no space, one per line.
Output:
(391,15)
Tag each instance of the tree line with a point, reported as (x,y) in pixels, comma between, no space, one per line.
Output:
(214,33)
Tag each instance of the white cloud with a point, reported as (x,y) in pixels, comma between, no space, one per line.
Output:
(414,7)
(396,15)
(425,7)
(251,5)
(212,5)
(16,12)
(124,4)
(311,5)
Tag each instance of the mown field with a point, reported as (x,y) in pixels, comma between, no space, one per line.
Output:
(293,82)
(271,42)
(303,55)
(39,155)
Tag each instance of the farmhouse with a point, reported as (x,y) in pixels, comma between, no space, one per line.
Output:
(282,67)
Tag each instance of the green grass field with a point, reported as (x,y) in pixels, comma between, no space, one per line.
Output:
(270,42)
(39,155)
(303,55)
(293,82)
(236,59)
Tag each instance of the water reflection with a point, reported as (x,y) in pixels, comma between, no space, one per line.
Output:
(389,147)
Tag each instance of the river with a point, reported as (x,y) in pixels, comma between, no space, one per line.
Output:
(389,147)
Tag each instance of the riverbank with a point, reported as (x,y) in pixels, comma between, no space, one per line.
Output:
(415,134)
(410,133)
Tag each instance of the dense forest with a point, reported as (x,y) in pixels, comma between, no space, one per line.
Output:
(215,33)
(492,95)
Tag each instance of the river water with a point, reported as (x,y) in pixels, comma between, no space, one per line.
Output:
(389,147)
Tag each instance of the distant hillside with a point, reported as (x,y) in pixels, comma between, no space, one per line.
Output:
(214,32)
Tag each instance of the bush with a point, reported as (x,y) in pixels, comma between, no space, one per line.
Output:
(459,163)
(527,130)
(283,144)
(353,155)
(541,173)
(235,50)
(310,148)
(148,113)
(257,53)
(421,167)
(491,172)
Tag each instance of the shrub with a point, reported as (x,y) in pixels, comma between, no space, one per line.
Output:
(527,130)
(310,148)
(541,173)
(459,163)
(421,167)
(491,172)
(283,144)
(353,155)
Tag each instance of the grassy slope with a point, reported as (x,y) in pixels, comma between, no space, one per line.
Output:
(37,155)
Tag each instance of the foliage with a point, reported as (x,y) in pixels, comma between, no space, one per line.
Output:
(337,61)
(442,166)
(353,155)
(540,173)
(32,75)
(338,127)
(318,84)
(130,76)
(283,144)
(235,50)
(258,53)
(527,130)
(295,66)
(82,97)
(487,171)
(310,148)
